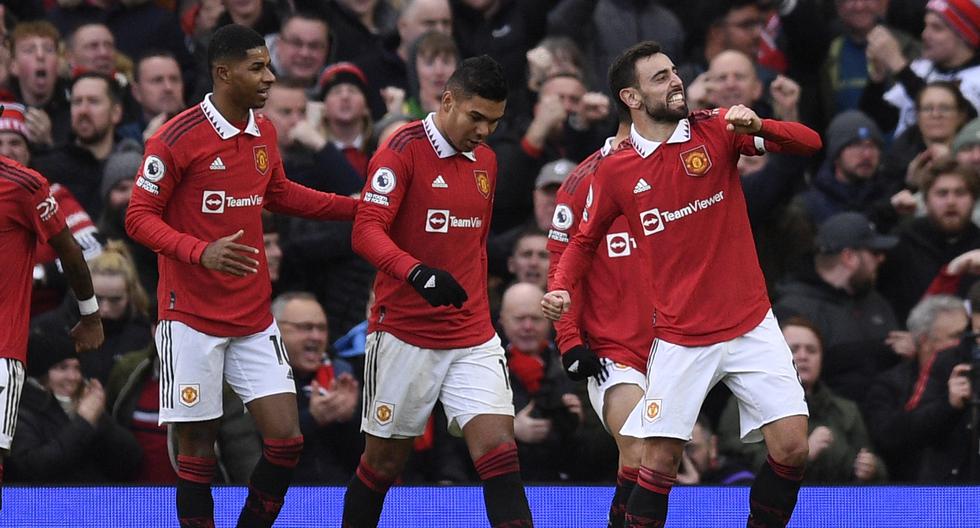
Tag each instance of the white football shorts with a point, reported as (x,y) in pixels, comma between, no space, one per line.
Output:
(11,385)
(616,374)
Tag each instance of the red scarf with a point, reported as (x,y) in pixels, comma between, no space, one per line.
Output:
(529,368)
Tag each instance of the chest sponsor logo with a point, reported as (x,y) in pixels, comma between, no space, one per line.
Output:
(440,220)
(153,169)
(482,182)
(261,159)
(383,181)
(655,220)
(619,245)
(696,161)
(47,208)
(563,217)
(215,202)
(653,410)
(190,394)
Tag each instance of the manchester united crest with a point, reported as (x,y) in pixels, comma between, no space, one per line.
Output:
(482,182)
(696,161)
(383,412)
(261,159)
(652,411)
(189,394)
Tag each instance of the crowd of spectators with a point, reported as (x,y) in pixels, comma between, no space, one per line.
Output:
(871,251)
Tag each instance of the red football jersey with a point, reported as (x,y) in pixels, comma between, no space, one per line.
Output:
(613,311)
(683,200)
(203,179)
(29,214)
(426,202)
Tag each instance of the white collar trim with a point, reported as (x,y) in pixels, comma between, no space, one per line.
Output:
(644,147)
(357,143)
(608,146)
(439,142)
(222,126)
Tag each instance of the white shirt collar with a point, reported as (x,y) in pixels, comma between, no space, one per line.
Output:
(222,126)
(644,147)
(439,142)
(357,143)
(608,146)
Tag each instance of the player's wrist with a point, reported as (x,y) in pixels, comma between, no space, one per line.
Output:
(88,306)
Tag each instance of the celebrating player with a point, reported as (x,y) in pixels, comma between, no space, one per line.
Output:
(423,223)
(28,214)
(682,198)
(606,338)
(197,202)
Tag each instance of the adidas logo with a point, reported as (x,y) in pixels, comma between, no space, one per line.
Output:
(439,183)
(217,164)
(431,283)
(641,186)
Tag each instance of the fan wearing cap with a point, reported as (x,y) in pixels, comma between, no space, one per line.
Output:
(346,116)
(950,40)
(838,296)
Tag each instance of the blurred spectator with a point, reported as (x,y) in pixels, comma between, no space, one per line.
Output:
(902,420)
(568,122)
(529,260)
(949,43)
(839,444)
(34,64)
(941,111)
(387,126)
(850,177)
(387,66)
(96,108)
(607,27)
(64,434)
(260,15)
(549,411)
(357,25)
(308,157)
(158,88)
(301,48)
(838,296)
(273,251)
(966,144)
(845,70)
(326,392)
(917,265)
(701,463)
(346,117)
(731,80)
(432,60)
(726,25)
(553,56)
(91,48)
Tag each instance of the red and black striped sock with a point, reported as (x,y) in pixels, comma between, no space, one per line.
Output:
(365,497)
(625,482)
(195,505)
(773,495)
(647,506)
(269,481)
(503,490)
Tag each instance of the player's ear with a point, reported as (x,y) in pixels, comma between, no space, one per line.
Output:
(447,100)
(222,71)
(630,97)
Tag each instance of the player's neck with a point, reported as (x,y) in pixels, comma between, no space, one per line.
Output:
(655,130)
(441,127)
(228,109)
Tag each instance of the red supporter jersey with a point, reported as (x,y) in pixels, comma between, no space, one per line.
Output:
(29,215)
(683,200)
(426,202)
(202,179)
(613,311)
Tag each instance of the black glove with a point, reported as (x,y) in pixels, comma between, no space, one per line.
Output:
(438,287)
(581,363)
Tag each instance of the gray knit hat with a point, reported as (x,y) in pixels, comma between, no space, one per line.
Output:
(120,166)
(850,127)
(969,136)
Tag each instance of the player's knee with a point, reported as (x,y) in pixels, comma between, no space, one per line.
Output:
(663,454)
(283,451)
(630,450)
(790,452)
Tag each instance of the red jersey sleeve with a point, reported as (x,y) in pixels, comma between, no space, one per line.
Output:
(776,136)
(288,197)
(564,226)
(42,213)
(601,209)
(155,183)
(386,187)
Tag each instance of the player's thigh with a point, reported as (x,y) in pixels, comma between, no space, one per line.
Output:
(614,395)
(401,385)
(257,365)
(678,380)
(477,383)
(761,375)
(191,367)
(276,415)
(11,385)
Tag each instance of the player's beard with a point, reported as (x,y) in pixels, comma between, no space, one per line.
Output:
(662,112)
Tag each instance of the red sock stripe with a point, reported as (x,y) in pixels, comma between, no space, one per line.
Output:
(787,472)
(283,452)
(655,481)
(627,475)
(196,469)
(372,479)
(500,460)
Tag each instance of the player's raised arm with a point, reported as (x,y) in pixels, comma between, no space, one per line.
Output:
(87,333)
(772,135)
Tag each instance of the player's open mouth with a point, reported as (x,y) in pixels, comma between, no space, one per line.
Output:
(675,98)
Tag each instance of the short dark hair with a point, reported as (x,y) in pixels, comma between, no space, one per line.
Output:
(622,72)
(481,76)
(232,42)
(149,54)
(112,87)
(948,166)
